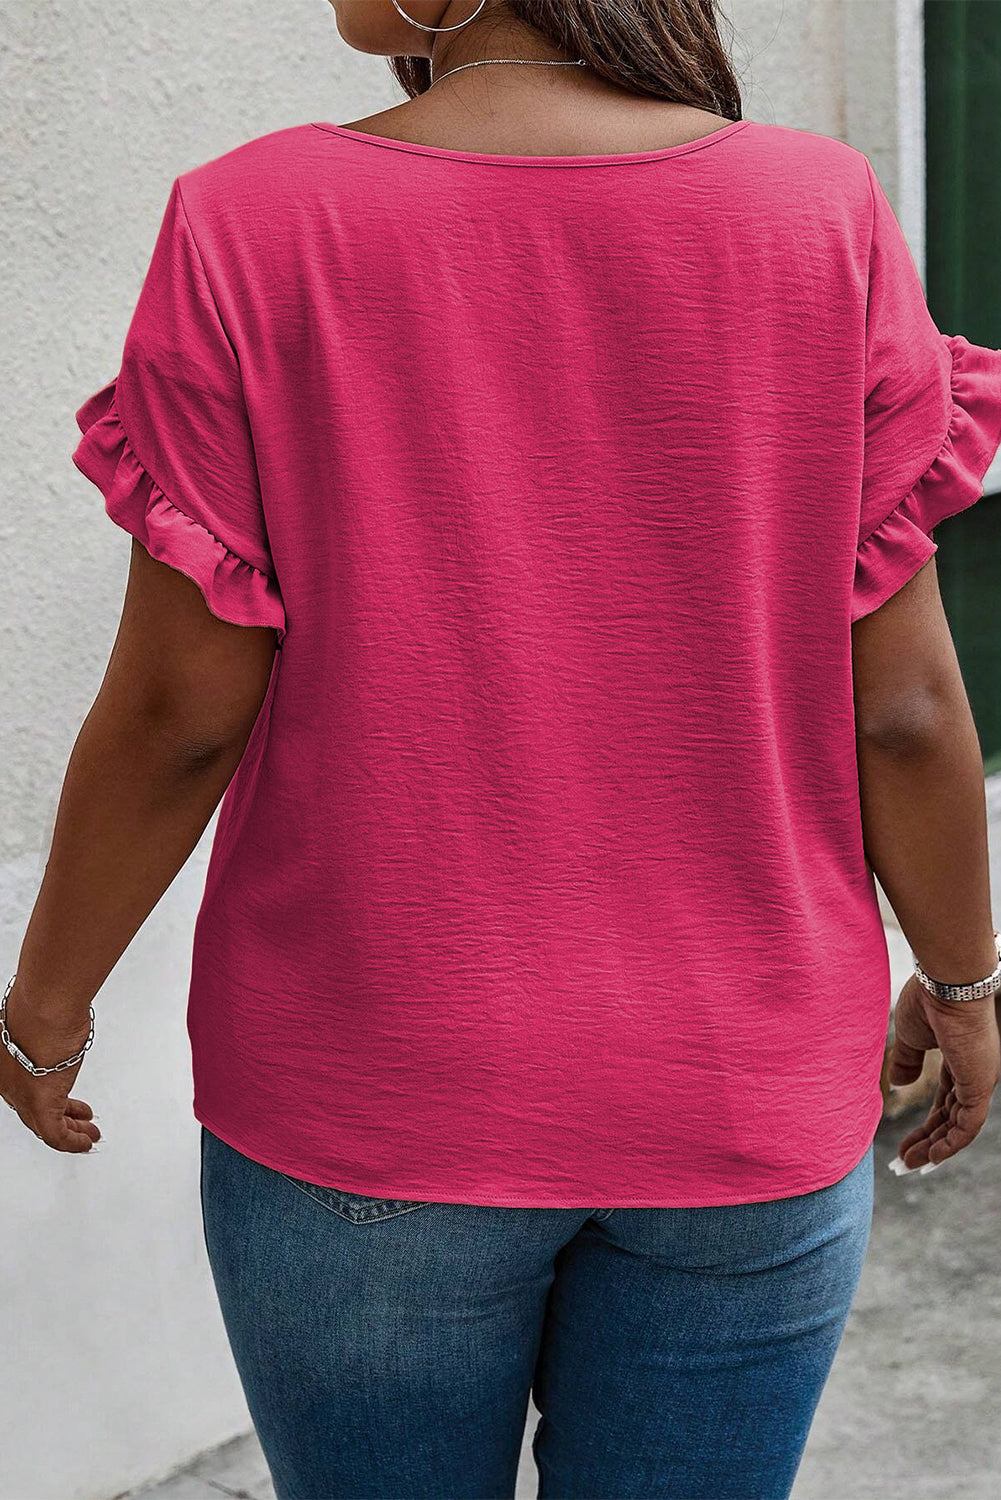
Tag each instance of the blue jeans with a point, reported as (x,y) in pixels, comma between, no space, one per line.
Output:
(388,1349)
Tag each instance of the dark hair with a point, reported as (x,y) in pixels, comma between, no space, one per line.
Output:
(670,49)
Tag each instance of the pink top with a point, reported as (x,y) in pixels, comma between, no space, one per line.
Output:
(562,479)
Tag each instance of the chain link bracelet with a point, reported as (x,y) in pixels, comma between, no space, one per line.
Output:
(979,990)
(25,1061)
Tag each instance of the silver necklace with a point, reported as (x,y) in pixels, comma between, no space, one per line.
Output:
(532,62)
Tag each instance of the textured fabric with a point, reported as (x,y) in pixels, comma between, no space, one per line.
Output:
(388,1348)
(541,881)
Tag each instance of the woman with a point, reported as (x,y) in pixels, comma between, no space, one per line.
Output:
(532,491)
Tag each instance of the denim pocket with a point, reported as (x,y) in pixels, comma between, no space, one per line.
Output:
(355,1207)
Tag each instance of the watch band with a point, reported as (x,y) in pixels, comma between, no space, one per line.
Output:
(979,990)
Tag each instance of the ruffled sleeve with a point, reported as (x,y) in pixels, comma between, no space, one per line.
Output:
(234,590)
(168,442)
(902,543)
(932,421)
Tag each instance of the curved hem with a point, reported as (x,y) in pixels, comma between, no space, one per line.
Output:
(495,1200)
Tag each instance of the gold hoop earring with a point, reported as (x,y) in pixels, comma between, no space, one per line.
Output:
(420,24)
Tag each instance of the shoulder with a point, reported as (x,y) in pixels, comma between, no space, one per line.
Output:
(825,160)
(807,149)
(258,174)
(809,179)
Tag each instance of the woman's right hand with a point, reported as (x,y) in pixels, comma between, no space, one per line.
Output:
(966,1033)
(44,1104)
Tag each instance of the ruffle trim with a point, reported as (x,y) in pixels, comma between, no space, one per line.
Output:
(234,590)
(902,544)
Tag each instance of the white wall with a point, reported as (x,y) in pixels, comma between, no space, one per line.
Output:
(114,1365)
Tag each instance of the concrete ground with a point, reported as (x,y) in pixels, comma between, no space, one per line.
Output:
(912,1410)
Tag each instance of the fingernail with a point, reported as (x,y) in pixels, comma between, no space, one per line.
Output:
(929,1166)
(899,1167)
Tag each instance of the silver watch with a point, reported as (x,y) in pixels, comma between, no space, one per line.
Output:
(979,990)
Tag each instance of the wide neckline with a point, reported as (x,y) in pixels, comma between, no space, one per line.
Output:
(489,157)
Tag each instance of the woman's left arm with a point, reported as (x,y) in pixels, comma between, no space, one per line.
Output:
(155,753)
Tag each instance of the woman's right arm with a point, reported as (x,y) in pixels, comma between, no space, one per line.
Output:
(924,820)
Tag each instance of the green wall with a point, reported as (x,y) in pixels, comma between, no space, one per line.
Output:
(963,158)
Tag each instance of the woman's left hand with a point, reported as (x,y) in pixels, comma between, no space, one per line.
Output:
(44,1104)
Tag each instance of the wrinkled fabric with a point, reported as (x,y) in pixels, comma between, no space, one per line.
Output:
(561,480)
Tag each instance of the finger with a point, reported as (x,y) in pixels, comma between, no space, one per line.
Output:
(85,1127)
(941,1131)
(920,1136)
(906,1062)
(919,1154)
(61,1136)
(79,1109)
(969,1122)
(937,1142)
(934,1129)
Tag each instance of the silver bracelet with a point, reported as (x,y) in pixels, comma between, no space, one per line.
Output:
(15,1050)
(979,990)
